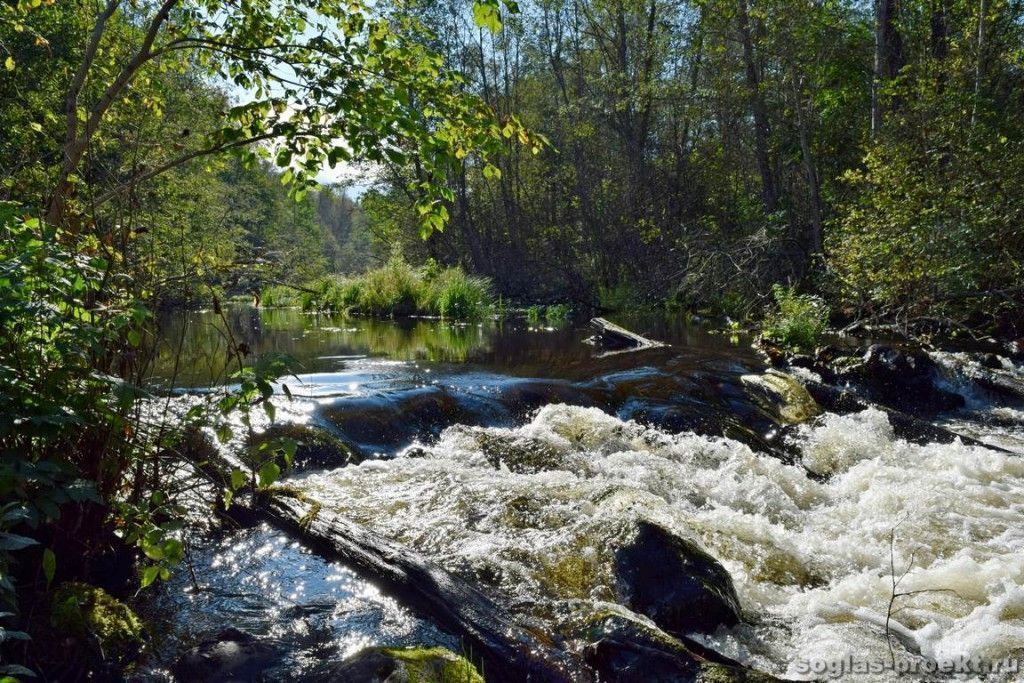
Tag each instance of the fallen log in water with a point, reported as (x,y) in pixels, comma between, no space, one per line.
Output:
(617,339)
(507,650)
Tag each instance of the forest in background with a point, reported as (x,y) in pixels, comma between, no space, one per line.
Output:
(700,152)
(703,151)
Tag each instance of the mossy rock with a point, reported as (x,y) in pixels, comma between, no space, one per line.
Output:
(315,447)
(93,616)
(782,396)
(621,647)
(406,665)
(713,672)
(522,455)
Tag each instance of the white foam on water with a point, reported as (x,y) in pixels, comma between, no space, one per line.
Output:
(812,555)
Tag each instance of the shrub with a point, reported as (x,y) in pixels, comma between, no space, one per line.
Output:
(279,296)
(798,320)
(557,314)
(454,294)
(394,289)
(391,290)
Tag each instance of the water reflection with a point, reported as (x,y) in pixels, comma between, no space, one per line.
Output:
(195,346)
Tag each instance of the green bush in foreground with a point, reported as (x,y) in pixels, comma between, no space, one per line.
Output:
(798,321)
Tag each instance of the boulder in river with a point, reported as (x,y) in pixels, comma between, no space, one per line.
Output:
(781,395)
(675,583)
(316,448)
(626,649)
(232,655)
(404,665)
(904,379)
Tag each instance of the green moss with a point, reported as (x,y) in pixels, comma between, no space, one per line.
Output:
(711,672)
(86,612)
(299,495)
(314,447)
(783,396)
(434,665)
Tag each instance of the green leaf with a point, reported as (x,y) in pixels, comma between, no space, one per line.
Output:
(150,574)
(224,433)
(269,474)
(486,15)
(238,478)
(9,63)
(49,566)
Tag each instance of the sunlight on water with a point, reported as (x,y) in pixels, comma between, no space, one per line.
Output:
(537,510)
(260,581)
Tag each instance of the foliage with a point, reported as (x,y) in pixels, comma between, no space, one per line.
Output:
(96,620)
(395,289)
(708,150)
(451,293)
(798,321)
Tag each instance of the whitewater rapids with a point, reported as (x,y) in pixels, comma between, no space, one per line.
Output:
(812,547)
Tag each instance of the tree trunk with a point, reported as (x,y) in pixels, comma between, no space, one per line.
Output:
(815,238)
(979,64)
(769,193)
(888,57)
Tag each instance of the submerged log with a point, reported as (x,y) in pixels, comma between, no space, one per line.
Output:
(507,650)
(614,339)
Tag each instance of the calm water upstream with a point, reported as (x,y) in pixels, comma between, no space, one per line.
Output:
(517,456)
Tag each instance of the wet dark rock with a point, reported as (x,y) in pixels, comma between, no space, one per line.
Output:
(316,448)
(905,426)
(233,655)
(387,422)
(626,661)
(524,397)
(401,665)
(622,649)
(991,361)
(519,454)
(901,379)
(674,582)
(999,381)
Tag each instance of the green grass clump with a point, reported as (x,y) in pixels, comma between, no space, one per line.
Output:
(279,296)
(798,320)
(554,315)
(557,314)
(454,294)
(395,289)
(391,290)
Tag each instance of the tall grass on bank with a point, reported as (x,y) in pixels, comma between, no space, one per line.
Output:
(395,289)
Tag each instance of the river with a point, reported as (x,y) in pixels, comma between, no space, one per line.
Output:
(520,458)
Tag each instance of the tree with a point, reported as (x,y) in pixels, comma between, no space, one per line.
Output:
(324,81)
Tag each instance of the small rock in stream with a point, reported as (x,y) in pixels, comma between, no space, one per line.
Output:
(233,655)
